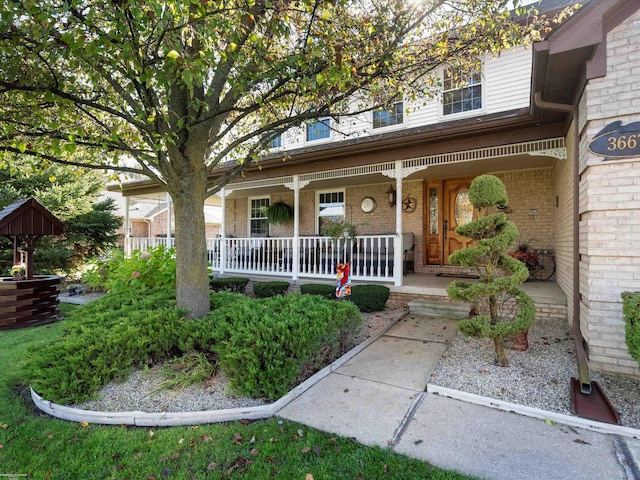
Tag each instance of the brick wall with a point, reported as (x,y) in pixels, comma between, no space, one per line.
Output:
(158,225)
(527,190)
(236,217)
(610,206)
(139,228)
(563,223)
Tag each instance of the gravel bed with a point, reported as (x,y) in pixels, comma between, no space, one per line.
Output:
(537,378)
(140,391)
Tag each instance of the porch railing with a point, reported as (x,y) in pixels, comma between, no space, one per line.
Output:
(138,243)
(371,256)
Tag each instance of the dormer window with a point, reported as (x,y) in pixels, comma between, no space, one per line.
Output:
(386,117)
(318,129)
(462,91)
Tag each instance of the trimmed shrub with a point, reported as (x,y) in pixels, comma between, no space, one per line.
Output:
(631,311)
(269,289)
(230,284)
(265,345)
(499,273)
(106,339)
(369,298)
(324,290)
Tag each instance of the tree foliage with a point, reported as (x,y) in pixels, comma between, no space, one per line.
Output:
(509,310)
(71,194)
(179,88)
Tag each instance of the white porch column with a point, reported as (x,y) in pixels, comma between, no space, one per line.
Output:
(223,229)
(168,200)
(296,229)
(397,247)
(127,235)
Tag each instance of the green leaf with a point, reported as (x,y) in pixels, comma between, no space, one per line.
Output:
(187,78)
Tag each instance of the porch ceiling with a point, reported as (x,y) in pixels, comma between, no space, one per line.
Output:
(477,167)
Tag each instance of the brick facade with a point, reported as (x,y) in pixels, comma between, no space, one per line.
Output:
(610,206)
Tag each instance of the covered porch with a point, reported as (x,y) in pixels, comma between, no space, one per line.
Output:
(406,212)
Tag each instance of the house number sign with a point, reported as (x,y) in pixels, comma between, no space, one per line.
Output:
(617,141)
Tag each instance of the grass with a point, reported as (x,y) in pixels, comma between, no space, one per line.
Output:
(43,447)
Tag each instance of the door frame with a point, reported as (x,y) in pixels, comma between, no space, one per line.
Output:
(433,232)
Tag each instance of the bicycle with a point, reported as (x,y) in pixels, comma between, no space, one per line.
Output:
(545,267)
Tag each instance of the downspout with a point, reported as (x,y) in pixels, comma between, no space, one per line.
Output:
(581,354)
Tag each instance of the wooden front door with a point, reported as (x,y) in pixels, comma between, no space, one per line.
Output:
(447,207)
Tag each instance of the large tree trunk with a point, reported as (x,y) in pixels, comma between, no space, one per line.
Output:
(192,278)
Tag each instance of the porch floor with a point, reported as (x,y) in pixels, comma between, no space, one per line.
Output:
(428,284)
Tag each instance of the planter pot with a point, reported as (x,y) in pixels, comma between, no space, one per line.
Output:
(520,342)
(26,303)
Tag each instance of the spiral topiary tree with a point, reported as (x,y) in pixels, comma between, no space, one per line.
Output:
(499,274)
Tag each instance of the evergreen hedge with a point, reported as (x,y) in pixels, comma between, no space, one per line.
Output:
(369,298)
(269,289)
(229,284)
(108,338)
(631,311)
(265,345)
(322,289)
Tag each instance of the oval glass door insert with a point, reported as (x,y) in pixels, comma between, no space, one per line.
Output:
(463,208)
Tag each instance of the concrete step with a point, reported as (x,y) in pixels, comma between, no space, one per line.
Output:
(439,308)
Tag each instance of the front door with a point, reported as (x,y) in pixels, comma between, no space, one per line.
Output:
(448,206)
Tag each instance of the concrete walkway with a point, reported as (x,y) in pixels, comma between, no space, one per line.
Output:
(379,398)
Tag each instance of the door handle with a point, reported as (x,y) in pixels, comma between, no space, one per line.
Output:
(446,227)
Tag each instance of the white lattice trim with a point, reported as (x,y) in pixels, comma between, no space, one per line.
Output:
(532,148)
(347,172)
(266,182)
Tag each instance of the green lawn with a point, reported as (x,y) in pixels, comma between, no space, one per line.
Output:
(43,447)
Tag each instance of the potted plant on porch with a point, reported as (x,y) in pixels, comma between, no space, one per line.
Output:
(337,230)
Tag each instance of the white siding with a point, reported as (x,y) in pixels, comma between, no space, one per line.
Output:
(506,83)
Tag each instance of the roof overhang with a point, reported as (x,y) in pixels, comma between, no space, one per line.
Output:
(573,54)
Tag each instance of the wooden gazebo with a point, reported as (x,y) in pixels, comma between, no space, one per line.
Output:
(34,299)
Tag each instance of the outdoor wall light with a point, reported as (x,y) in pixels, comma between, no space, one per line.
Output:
(391,196)
(533,213)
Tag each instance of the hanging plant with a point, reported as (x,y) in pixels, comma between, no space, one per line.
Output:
(279,212)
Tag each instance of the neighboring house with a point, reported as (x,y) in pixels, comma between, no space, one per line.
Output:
(147,219)
(402,176)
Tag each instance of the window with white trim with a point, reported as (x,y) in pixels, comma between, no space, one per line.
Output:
(258,222)
(275,142)
(319,129)
(386,117)
(462,91)
(330,209)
